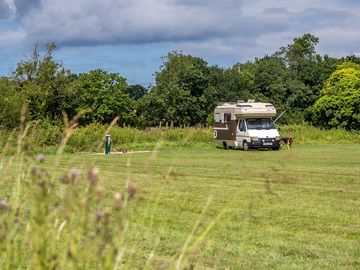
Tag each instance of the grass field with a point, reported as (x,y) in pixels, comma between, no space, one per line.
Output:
(215,209)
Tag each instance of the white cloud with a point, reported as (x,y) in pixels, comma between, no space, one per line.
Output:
(10,37)
(140,21)
(85,22)
(227,30)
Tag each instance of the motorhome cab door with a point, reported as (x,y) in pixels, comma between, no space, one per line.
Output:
(241,132)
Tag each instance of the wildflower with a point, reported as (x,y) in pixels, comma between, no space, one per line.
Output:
(117,200)
(93,175)
(64,178)
(35,171)
(98,215)
(74,173)
(42,184)
(131,188)
(40,158)
(4,206)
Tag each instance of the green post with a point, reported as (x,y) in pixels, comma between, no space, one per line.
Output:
(107,144)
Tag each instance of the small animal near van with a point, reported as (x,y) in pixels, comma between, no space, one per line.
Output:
(246,125)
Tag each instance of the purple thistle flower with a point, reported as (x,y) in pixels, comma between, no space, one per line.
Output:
(40,158)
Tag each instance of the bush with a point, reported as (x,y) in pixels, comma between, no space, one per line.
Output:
(46,136)
(339,105)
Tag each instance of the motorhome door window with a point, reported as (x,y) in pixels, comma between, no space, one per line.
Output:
(242,125)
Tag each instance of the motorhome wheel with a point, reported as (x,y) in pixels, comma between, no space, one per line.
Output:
(245,146)
(226,147)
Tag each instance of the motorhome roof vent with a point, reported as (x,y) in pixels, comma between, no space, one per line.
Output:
(244,105)
(251,101)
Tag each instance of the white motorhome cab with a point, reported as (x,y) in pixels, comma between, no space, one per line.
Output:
(246,125)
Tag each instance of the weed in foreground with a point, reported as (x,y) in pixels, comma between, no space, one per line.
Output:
(71,229)
(67,222)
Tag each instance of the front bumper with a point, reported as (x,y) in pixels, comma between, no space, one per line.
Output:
(265,143)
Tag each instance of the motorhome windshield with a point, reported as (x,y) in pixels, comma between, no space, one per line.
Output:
(260,123)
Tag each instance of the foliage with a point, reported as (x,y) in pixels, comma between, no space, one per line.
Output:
(45,137)
(44,84)
(103,94)
(182,94)
(11,102)
(186,91)
(135,91)
(233,84)
(304,74)
(339,105)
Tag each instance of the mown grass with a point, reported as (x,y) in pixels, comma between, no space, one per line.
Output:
(217,209)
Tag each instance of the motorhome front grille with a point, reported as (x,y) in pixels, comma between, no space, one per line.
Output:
(266,139)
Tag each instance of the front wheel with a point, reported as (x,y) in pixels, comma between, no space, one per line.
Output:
(275,148)
(245,146)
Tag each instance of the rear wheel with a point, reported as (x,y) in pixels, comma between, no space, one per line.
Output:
(225,145)
(245,146)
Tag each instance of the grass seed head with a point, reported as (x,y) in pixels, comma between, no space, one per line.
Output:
(93,175)
(117,200)
(64,178)
(42,184)
(106,216)
(99,191)
(131,189)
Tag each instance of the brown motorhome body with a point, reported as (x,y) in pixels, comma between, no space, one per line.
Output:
(226,131)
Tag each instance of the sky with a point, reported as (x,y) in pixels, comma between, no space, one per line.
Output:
(130,37)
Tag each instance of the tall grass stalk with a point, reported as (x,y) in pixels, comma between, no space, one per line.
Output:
(179,261)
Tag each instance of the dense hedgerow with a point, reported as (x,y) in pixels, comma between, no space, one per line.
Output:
(46,137)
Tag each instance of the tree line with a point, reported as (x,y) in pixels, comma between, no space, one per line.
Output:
(318,89)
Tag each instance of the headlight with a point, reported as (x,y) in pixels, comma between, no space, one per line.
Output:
(254,138)
(277,138)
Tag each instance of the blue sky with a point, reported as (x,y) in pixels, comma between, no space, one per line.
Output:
(130,36)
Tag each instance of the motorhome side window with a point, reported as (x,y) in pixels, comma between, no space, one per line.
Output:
(242,125)
(227,118)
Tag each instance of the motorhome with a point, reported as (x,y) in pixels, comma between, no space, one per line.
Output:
(246,125)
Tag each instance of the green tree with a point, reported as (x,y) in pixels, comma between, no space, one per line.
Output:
(103,94)
(339,104)
(45,84)
(11,102)
(182,94)
(136,91)
(271,80)
(308,67)
(235,83)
